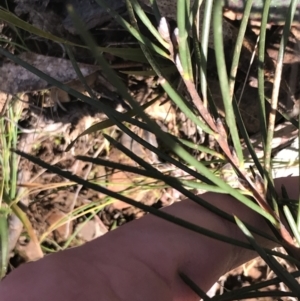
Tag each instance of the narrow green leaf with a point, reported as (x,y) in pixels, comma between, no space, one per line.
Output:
(276,85)
(140,12)
(261,71)
(206,27)
(238,46)
(223,79)
(4,256)
(14,20)
(183,10)
(292,223)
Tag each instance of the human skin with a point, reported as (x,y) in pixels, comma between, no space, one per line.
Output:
(141,260)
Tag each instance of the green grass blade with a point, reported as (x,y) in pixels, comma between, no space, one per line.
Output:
(4,256)
(204,48)
(292,223)
(261,71)
(23,217)
(170,90)
(223,79)
(276,85)
(14,160)
(139,11)
(15,21)
(238,47)
(183,10)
